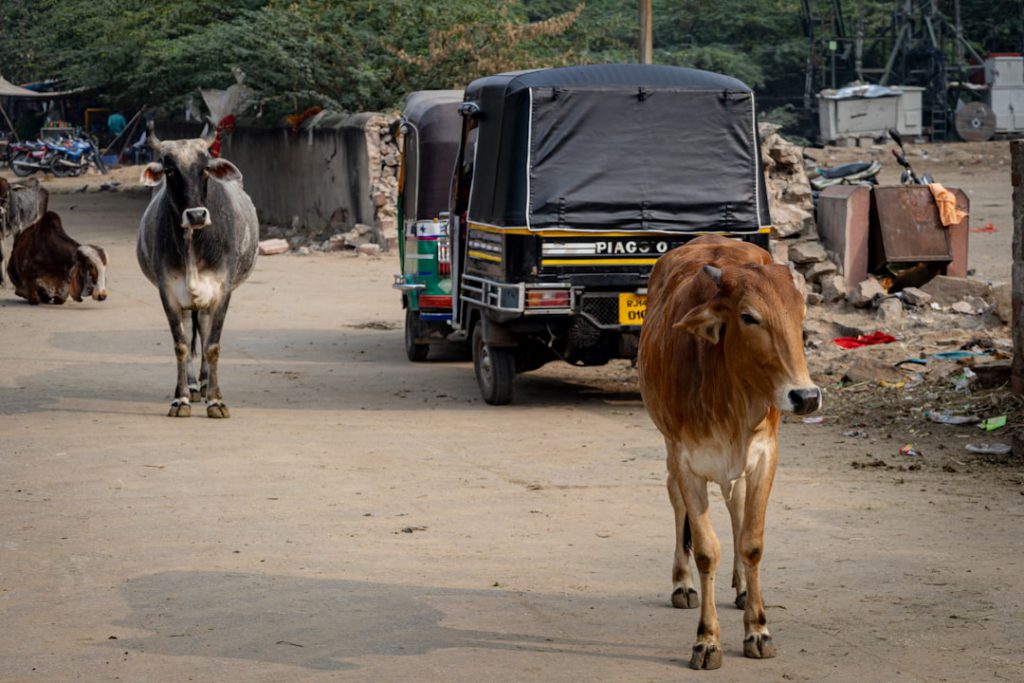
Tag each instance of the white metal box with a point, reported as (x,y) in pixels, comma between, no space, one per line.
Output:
(1004,71)
(845,115)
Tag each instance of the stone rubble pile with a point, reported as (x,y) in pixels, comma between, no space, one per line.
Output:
(384,159)
(789,192)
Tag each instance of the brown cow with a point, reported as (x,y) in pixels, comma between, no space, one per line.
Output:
(21,204)
(721,355)
(47,266)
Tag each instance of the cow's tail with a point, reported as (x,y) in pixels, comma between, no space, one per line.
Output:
(687,536)
(195,330)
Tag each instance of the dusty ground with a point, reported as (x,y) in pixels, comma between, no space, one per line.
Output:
(363,518)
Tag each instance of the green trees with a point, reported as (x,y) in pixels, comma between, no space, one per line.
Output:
(355,55)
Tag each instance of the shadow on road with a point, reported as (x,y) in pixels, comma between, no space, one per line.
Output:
(324,624)
(297,369)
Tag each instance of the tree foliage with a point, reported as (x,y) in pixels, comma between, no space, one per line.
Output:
(355,55)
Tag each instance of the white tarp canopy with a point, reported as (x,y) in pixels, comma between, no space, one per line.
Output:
(8,89)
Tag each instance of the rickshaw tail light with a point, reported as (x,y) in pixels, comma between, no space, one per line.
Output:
(435,301)
(444,268)
(547,298)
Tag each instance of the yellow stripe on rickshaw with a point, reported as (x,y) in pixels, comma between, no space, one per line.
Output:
(598,261)
(484,256)
(588,233)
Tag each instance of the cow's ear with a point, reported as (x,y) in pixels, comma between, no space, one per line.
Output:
(705,321)
(152,174)
(75,288)
(222,169)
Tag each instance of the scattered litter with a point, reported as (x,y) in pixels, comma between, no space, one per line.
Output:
(288,642)
(410,529)
(892,385)
(947,417)
(856,434)
(988,228)
(993,423)
(876,337)
(814,420)
(989,448)
(908,449)
(962,380)
(915,361)
(958,355)
(110,186)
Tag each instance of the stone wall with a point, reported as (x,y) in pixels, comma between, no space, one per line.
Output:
(335,175)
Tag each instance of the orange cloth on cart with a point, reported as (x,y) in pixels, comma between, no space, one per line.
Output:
(946,201)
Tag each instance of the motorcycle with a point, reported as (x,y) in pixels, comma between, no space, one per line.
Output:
(908,176)
(72,157)
(28,157)
(854,173)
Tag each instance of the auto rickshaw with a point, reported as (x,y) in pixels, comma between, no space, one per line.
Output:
(430,127)
(568,185)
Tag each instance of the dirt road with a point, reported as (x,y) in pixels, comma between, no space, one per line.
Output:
(361,518)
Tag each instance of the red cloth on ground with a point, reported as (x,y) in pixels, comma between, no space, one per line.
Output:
(876,337)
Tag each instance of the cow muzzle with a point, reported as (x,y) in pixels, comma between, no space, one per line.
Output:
(196,218)
(99,294)
(802,401)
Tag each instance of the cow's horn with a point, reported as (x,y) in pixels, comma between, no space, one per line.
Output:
(714,273)
(151,138)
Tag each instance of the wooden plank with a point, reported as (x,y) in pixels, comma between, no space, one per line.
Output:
(1017,279)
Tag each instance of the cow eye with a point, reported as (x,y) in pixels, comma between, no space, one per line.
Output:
(749,319)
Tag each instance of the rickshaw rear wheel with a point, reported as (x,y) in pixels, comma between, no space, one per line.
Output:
(415,351)
(495,368)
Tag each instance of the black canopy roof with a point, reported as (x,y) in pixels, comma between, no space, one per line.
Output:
(617,147)
(433,129)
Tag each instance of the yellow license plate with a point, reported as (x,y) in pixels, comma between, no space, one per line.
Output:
(632,308)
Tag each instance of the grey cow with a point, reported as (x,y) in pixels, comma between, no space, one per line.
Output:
(21,204)
(197,243)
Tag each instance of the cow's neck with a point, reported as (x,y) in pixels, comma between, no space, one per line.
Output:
(191,268)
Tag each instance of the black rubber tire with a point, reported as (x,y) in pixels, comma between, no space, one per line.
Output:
(495,369)
(417,353)
(21,171)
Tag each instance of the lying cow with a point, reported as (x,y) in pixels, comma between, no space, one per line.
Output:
(197,243)
(48,266)
(21,204)
(721,356)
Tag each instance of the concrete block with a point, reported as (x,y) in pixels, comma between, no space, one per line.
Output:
(844,216)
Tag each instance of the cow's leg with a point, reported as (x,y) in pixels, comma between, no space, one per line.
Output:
(180,405)
(757,641)
(215,406)
(735,499)
(684,595)
(707,653)
(194,389)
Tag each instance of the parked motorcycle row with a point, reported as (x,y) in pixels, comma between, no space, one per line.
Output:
(64,157)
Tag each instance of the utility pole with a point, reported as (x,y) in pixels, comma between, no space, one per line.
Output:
(1017,276)
(646,32)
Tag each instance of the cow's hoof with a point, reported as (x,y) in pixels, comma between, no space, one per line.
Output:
(758,646)
(194,394)
(706,656)
(217,409)
(741,600)
(179,408)
(685,598)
